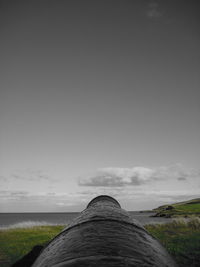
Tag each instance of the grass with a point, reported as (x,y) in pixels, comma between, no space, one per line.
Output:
(15,243)
(181,209)
(181,238)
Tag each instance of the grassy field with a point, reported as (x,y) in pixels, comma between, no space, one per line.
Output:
(182,209)
(181,239)
(14,243)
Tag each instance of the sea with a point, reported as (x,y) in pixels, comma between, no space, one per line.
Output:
(25,220)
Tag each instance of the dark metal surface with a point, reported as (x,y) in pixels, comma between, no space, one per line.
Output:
(104,235)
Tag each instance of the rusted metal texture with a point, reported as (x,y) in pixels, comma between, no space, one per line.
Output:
(104,235)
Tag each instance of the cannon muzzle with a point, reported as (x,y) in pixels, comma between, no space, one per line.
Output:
(104,235)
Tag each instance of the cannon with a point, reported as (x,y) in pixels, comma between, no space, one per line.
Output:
(104,234)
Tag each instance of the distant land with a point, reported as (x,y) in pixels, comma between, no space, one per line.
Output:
(181,209)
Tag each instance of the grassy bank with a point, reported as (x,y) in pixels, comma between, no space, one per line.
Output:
(181,209)
(15,243)
(181,239)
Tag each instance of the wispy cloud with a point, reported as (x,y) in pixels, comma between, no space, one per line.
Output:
(13,195)
(153,10)
(135,188)
(27,175)
(181,178)
(50,200)
(31,175)
(136,176)
(2,178)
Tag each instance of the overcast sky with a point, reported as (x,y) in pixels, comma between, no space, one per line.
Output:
(99,97)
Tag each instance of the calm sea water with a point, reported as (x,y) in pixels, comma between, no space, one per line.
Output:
(13,220)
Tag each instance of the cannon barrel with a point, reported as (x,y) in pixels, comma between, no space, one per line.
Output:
(104,235)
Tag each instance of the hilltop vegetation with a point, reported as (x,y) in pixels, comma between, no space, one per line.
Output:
(181,209)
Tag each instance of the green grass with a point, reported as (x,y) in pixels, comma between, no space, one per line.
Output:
(180,238)
(181,209)
(188,208)
(14,243)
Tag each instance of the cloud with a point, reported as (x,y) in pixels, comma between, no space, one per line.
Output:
(103,179)
(153,10)
(41,198)
(136,176)
(31,175)
(2,178)
(7,195)
(181,178)
(117,177)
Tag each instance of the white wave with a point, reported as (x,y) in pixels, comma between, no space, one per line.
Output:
(27,224)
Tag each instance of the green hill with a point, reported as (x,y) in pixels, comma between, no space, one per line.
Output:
(184,209)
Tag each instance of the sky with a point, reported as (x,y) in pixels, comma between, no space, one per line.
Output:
(98,97)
